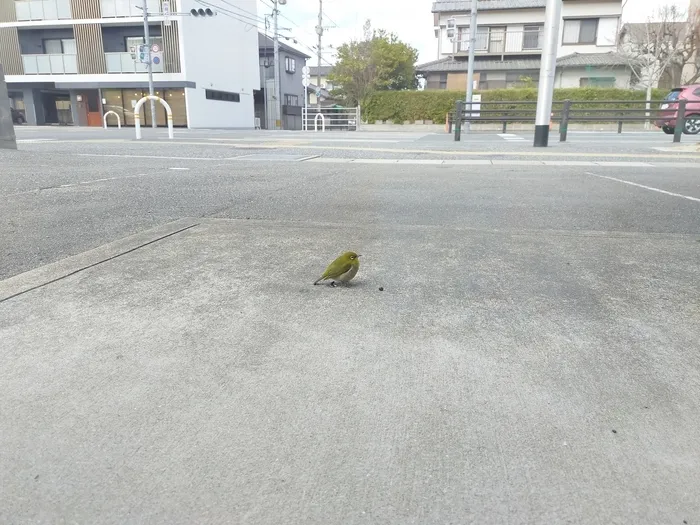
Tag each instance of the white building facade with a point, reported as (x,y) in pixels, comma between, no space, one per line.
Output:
(71,61)
(510,36)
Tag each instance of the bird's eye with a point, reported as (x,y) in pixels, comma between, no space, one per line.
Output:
(352,256)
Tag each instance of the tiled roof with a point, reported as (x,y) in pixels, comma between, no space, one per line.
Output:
(460,6)
(324,71)
(519,64)
(591,59)
(450,64)
(267,44)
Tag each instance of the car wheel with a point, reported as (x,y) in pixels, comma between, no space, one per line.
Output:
(692,125)
(668,130)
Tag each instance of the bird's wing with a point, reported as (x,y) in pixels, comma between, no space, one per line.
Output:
(336,270)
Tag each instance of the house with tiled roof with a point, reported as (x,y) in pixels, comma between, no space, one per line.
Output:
(509,40)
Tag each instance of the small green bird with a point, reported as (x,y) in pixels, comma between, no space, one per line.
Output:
(342,269)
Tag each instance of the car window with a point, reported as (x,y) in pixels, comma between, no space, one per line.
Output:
(673,95)
(697,92)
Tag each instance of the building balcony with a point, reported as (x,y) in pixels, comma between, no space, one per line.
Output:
(490,41)
(50,64)
(42,10)
(126,8)
(125,63)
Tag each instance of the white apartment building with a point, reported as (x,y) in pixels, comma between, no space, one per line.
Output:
(70,61)
(510,35)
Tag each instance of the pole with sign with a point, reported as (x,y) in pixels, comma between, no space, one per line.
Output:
(149,63)
(305,81)
(165,6)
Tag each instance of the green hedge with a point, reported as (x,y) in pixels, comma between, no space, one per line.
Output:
(401,106)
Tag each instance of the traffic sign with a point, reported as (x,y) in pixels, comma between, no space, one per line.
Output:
(306,71)
(165,5)
(155,48)
(305,81)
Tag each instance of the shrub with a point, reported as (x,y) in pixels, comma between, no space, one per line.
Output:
(401,106)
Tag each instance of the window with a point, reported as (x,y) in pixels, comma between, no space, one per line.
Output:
(60,46)
(131,43)
(224,96)
(291,100)
(582,31)
(443,80)
(113,8)
(482,39)
(290,65)
(532,37)
(603,82)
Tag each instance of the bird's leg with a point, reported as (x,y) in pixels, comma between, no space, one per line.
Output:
(333,284)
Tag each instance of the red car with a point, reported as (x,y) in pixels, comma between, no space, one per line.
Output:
(666,119)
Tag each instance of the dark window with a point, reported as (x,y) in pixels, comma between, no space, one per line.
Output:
(290,65)
(580,31)
(673,95)
(485,83)
(443,80)
(697,92)
(532,37)
(291,100)
(224,96)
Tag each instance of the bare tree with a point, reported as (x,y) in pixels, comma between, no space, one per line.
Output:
(664,43)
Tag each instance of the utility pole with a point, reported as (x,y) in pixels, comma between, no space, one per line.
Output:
(147,43)
(319,32)
(548,71)
(470,67)
(276,40)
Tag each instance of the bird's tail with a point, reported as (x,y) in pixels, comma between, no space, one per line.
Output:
(318,281)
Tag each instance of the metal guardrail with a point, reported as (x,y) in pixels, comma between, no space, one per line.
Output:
(567,111)
(333,118)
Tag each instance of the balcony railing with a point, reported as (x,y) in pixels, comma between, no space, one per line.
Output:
(125,63)
(42,9)
(501,42)
(125,8)
(50,64)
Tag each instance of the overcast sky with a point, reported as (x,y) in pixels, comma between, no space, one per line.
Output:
(413,25)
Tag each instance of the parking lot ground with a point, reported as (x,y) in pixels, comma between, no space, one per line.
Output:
(531,357)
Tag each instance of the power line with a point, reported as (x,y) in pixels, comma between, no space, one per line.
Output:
(250,13)
(232,14)
(330,19)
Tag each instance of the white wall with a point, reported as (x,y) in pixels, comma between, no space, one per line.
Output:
(608,25)
(514,19)
(220,53)
(571,77)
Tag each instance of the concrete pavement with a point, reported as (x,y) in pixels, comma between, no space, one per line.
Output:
(531,359)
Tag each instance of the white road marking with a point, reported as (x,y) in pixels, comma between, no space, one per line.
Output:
(650,188)
(179,169)
(75,184)
(145,156)
(511,137)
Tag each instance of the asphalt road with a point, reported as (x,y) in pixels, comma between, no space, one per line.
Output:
(532,357)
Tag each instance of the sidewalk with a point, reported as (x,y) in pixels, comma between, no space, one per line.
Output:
(193,374)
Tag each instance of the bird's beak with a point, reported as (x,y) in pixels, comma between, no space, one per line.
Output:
(359,256)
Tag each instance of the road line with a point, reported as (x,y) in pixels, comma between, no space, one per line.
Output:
(433,152)
(144,156)
(650,188)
